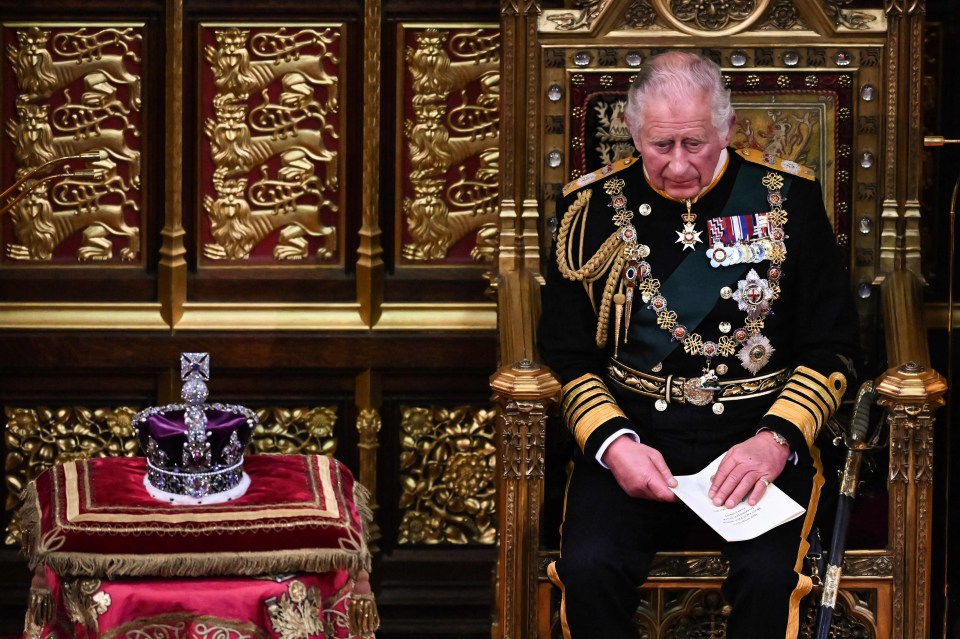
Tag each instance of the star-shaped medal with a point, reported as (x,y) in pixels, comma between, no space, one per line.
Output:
(689,237)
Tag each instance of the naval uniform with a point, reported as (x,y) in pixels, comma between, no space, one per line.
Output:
(692,330)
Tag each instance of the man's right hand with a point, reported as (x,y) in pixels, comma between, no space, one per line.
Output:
(639,469)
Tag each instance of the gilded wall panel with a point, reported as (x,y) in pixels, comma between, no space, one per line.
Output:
(70,90)
(272,126)
(38,438)
(448,137)
(447,466)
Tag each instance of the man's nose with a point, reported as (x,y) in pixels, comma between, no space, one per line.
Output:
(679,161)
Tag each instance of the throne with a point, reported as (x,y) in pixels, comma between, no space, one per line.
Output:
(818,83)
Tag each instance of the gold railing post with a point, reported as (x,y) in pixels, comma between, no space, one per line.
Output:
(910,394)
(523,394)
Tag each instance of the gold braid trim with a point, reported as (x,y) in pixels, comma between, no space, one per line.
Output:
(586,405)
(809,399)
(595,267)
(592,267)
(603,318)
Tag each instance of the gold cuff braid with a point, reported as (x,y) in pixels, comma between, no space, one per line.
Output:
(809,399)
(586,405)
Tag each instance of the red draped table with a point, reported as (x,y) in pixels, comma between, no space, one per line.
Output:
(279,562)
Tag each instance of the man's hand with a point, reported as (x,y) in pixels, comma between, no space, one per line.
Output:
(640,470)
(747,469)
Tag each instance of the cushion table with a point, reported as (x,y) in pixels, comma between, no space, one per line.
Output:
(278,562)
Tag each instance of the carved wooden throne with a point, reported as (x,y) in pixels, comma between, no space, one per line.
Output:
(827,85)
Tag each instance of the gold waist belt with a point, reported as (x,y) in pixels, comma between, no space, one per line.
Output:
(694,390)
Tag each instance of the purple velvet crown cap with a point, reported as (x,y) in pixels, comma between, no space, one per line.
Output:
(195,449)
(169,430)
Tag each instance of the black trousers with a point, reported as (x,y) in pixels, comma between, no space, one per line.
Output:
(609,538)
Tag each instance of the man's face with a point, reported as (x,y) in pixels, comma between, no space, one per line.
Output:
(679,144)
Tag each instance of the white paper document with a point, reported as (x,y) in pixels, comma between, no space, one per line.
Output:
(743,521)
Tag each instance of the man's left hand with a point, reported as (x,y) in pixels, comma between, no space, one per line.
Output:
(747,469)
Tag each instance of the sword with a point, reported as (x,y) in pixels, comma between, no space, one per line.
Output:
(856,442)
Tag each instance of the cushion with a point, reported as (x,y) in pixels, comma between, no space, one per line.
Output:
(93,517)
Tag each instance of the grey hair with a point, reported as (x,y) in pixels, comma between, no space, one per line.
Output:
(676,75)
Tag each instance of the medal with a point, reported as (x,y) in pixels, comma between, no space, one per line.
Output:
(689,236)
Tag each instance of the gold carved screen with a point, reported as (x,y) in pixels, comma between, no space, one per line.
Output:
(70,90)
(270,179)
(448,144)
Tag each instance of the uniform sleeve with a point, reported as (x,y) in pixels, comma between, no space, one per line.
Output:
(825,324)
(566,340)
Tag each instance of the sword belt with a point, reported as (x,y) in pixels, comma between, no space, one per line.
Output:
(689,390)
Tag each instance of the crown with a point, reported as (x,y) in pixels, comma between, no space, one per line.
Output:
(195,450)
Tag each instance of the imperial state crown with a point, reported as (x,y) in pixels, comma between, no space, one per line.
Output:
(194,450)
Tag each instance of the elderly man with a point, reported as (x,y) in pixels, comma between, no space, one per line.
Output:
(688,316)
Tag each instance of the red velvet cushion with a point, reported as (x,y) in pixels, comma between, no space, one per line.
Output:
(94,517)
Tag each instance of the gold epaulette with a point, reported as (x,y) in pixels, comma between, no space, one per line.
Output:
(590,178)
(778,163)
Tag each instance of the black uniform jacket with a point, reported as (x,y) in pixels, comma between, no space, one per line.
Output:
(812,327)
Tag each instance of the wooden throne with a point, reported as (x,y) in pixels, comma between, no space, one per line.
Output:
(829,84)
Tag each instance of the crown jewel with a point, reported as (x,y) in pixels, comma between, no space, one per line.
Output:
(194,450)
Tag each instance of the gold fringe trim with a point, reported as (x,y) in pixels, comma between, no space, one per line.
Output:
(362,615)
(361,498)
(206,564)
(29,523)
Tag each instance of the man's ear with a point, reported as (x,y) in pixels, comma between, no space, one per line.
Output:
(635,136)
(732,121)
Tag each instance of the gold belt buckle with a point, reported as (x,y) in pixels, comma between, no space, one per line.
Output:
(695,393)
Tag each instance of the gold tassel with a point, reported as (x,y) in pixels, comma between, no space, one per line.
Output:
(618,299)
(363,616)
(40,612)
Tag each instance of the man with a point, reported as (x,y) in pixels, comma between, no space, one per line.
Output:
(689,316)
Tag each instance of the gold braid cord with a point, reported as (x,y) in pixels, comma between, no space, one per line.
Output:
(596,266)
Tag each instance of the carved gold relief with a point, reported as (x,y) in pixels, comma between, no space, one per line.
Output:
(641,15)
(295,431)
(844,16)
(79,92)
(689,613)
(447,464)
(368,427)
(296,614)
(451,135)
(84,601)
(273,139)
(711,17)
(783,16)
(39,438)
(588,10)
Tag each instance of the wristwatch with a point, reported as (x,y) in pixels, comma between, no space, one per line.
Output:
(780,439)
